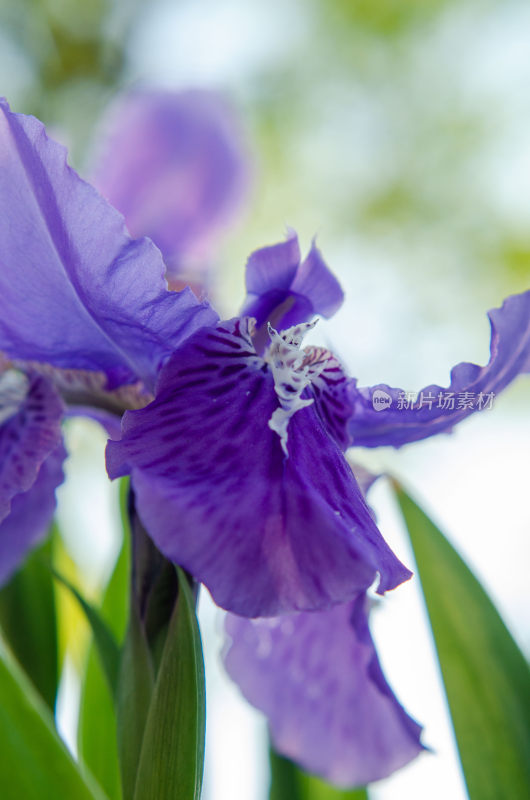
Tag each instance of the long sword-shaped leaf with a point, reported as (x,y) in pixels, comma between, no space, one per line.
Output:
(29,621)
(97,734)
(136,682)
(34,763)
(134,698)
(289,782)
(108,649)
(171,763)
(486,677)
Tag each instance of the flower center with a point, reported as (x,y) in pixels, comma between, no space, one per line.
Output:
(293,370)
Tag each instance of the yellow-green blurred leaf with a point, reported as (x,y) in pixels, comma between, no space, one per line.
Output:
(34,762)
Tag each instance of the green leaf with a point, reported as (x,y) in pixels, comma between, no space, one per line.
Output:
(171,762)
(115,604)
(136,681)
(284,778)
(135,689)
(289,782)
(315,789)
(154,585)
(29,622)
(486,677)
(97,730)
(108,649)
(34,762)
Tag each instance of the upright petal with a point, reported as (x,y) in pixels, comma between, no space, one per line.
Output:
(317,678)
(285,292)
(396,420)
(174,164)
(315,281)
(31,515)
(75,290)
(30,430)
(274,266)
(264,532)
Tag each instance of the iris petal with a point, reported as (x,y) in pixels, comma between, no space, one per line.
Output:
(395,426)
(174,164)
(284,291)
(266,533)
(31,515)
(273,267)
(75,290)
(330,391)
(30,433)
(315,281)
(317,678)
(31,457)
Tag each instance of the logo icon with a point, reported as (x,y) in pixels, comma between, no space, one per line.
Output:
(381,400)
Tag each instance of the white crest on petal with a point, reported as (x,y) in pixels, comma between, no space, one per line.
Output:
(292,369)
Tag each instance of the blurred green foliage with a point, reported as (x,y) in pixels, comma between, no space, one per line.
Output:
(74,53)
(28,621)
(63,40)
(385,17)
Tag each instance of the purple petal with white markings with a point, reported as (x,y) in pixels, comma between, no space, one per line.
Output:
(75,290)
(264,532)
(317,678)
(330,391)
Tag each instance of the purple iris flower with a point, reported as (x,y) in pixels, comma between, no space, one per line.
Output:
(241,423)
(275,490)
(237,463)
(237,479)
(175,165)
